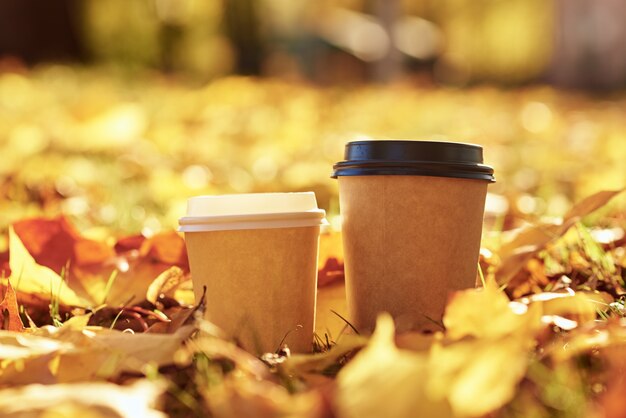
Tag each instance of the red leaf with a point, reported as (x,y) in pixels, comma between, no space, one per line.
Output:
(5,270)
(331,272)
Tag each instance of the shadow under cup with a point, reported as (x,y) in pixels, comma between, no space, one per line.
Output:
(412,221)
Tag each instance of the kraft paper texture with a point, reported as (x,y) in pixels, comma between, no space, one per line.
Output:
(261,284)
(408,242)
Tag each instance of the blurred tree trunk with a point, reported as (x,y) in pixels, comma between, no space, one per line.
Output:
(36,31)
(389,67)
(242,26)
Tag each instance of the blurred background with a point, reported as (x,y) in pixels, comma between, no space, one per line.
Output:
(113,112)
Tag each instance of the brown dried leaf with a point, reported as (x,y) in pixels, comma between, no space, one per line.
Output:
(530,240)
(591,204)
(9,310)
(165,283)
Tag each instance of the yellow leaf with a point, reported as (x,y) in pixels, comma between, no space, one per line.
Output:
(103,400)
(305,363)
(116,351)
(580,306)
(486,313)
(67,354)
(384,381)
(238,398)
(478,376)
(164,283)
(30,277)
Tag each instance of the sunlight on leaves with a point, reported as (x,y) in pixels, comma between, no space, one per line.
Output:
(30,277)
(381,371)
(466,312)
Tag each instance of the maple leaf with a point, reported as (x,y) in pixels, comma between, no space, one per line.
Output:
(9,310)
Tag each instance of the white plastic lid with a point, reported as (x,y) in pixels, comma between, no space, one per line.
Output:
(251,211)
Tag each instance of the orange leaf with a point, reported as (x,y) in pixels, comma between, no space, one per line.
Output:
(167,248)
(89,252)
(130,243)
(9,311)
(55,242)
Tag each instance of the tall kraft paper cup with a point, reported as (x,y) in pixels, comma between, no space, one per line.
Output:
(412,221)
(256,254)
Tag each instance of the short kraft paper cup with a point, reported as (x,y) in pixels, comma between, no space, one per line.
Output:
(412,222)
(256,254)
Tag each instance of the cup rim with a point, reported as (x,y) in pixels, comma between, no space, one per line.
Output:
(314,217)
(413,158)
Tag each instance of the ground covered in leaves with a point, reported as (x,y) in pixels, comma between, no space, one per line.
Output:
(97,317)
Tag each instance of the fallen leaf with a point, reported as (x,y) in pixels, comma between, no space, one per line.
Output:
(165,283)
(528,241)
(591,204)
(30,277)
(235,398)
(384,381)
(299,364)
(167,248)
(102,400)
(5,270)
(466,312)
(330,273)
(214,347)
(478,376)
(55,242)
(579,306)
(9,310)
(183,316)
(67,354)
(129,243)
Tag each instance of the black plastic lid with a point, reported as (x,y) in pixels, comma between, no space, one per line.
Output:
(413,158)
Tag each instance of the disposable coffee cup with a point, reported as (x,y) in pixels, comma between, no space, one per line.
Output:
(256,256)
(412,222)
